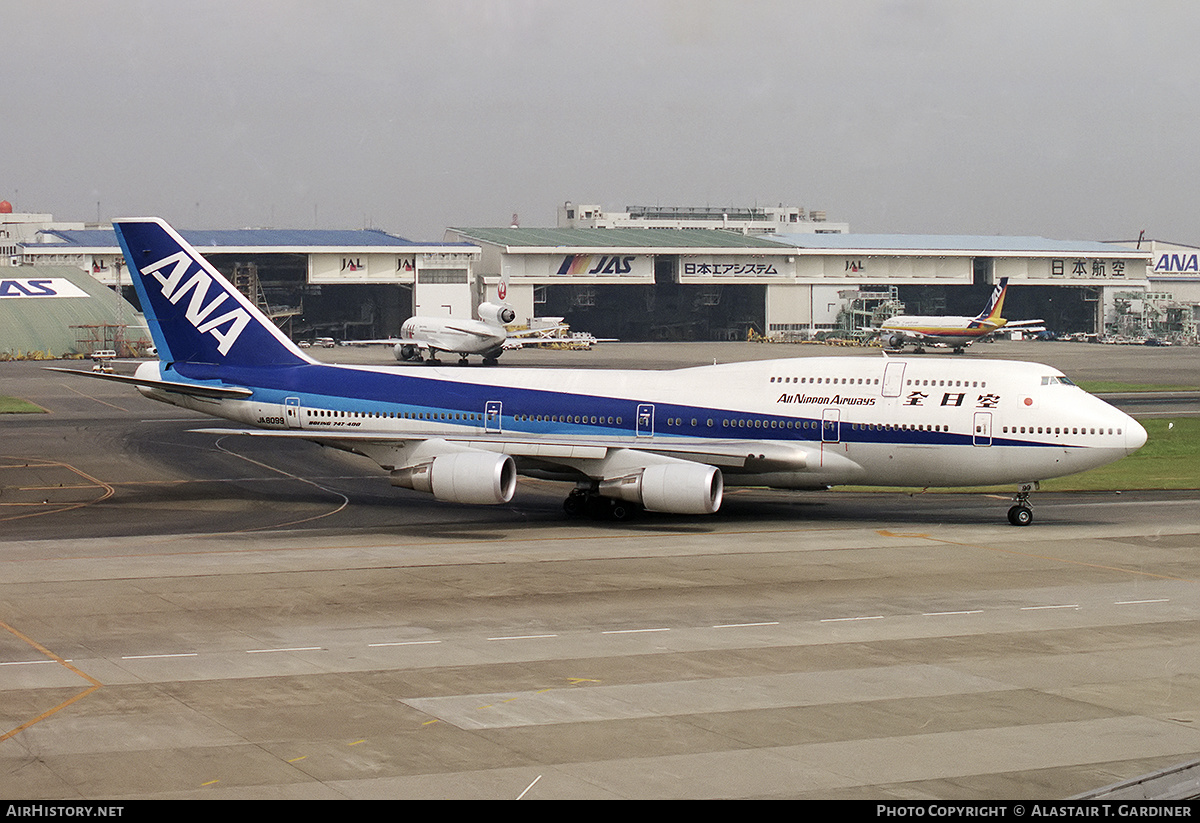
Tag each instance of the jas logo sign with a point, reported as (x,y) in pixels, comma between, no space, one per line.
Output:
(40,287)
(606,264)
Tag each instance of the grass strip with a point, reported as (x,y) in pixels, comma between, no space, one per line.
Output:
(15,405)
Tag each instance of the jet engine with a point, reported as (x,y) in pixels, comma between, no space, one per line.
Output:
(499,314)
(469,476)
(678,488)
(894,341)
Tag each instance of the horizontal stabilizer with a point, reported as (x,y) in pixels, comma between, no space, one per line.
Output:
(192,389)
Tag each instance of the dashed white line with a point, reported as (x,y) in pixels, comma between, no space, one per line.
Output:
(158,656)
(755,624)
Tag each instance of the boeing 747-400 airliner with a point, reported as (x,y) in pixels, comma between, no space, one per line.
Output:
(664,441)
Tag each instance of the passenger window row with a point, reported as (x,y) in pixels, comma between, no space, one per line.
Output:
(595,420)
(344,415)
(842,381)
(1055,430)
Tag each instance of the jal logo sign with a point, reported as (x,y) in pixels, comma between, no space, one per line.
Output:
(14,287)
(224,328)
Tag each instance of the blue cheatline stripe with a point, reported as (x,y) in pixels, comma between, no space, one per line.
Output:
(328,388)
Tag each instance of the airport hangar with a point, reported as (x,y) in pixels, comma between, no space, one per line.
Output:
(637,283)
(352,284)
(681,284)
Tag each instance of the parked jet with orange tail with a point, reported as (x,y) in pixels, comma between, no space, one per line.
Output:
(954,332)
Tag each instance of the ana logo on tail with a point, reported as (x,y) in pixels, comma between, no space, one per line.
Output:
(195,315)
(224,328)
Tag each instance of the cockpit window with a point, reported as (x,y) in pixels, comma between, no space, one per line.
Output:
(1056,379)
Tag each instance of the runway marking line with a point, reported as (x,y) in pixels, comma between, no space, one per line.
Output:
(345,500)
(25,463)
(89,397)
(95,684)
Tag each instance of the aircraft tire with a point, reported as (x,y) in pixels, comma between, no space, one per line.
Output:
(1020,515)
(621,511)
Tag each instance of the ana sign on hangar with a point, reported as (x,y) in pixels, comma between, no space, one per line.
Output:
(693,280)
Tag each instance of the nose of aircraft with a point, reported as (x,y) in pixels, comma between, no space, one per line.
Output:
(1135,436)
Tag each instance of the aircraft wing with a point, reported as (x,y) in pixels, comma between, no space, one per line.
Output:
(910,334)
(543,332)
(194,390)
(728,455)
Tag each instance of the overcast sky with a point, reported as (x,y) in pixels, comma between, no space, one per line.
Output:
(1071,120)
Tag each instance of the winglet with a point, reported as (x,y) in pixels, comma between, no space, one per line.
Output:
(195,315)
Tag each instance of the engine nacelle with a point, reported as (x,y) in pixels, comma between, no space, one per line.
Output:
(677,488)
(499,314)
(894,341)
(473,476)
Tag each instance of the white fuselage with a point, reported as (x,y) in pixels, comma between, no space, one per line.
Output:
(947,331)
(797,423)
(461,336)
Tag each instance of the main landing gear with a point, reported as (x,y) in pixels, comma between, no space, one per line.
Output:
(1021,514)
(586,503)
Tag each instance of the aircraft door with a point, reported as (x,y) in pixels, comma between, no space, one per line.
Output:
(831,426)
(291,412)
(893,378)
(982,434)
(645,420)
(492,417)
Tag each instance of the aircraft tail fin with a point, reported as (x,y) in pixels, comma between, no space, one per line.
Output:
(195,315)
(994,310)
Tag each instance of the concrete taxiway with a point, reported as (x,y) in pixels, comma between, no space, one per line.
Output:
(188,616)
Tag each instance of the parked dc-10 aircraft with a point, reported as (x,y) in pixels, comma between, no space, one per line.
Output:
(423,337)
(955,332)
(663,441)
(426,336)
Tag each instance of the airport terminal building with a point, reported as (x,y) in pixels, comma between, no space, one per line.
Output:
(645,281)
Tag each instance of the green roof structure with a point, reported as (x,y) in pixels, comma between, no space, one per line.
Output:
(57,311)
(663,239)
